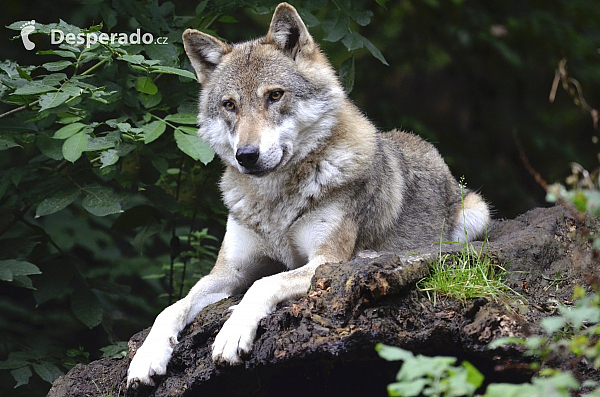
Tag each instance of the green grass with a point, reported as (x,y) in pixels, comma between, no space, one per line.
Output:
(466,275)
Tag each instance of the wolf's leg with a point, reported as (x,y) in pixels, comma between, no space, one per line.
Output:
(239,263)
(472,219)
(334,244)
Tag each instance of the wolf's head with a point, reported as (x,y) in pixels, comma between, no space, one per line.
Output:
(268,102)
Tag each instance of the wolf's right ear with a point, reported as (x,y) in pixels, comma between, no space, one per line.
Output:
(204,51)
(289,33)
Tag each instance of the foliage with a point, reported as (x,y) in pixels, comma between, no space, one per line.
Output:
(582,190)
(574,333)
(108,199)
(430,376)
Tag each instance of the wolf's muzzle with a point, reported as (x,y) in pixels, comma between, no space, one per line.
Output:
(247,156)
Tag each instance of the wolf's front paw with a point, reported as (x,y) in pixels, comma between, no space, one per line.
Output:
(235,338)
(150,359)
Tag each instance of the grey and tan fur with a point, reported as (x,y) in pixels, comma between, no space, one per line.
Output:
(308,180)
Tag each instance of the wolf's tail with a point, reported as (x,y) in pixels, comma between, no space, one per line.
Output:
(472,218)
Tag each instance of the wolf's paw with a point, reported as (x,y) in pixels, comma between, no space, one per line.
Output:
(235,338)
(150,359)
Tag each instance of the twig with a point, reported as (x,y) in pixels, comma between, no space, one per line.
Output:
(536,175)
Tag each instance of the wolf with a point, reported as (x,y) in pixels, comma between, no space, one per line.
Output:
(308,180)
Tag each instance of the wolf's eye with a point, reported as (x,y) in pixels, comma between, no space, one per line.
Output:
(229,105)
(274,96)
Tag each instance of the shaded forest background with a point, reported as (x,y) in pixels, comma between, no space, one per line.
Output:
(469,76)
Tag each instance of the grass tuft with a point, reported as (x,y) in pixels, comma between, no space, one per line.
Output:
(466,275)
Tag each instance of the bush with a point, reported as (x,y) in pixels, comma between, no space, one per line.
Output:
(108,198)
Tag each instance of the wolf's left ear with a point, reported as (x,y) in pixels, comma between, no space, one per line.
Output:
(289,33)
(204,51)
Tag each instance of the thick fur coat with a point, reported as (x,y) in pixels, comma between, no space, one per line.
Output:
(308,180)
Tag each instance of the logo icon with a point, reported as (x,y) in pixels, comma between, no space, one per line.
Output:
(26,30)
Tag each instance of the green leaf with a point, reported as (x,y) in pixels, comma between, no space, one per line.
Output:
(353,40)
(51,100)
(309,19)
(118,350)
(11,267)
(153,130)
(335,25)
(60,53)
(408,389)
(7,144)
(109,157)
(108,141)
(194,147)
(374,51)
(183,118)
(167,53)
(57,65)
(101,201)
(47,371)
(201,7)
(188,130)
(228,19)
(74,146)
(474,377)
(57,202)
(580,201)
(86,307)
(22,282)
(68,130)
(505,341)
(72,89)
(21,375)
(363,18)
(146,85)
(13,362)
(347,74)
(49,147)
(23,73)
(391,353)
(171,70)
(124,127)
(34,88)
(135,59)
(553,324)
(54,78)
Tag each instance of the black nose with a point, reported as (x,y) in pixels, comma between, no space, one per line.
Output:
(247,156)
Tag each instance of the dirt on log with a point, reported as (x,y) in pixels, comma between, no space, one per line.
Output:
(323,343)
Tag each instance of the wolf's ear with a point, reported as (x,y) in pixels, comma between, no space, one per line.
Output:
(204,51)
(289,33)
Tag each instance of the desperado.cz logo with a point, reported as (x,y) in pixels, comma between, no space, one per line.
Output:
(57,36)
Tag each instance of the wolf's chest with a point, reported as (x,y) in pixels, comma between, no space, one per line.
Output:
(275,223)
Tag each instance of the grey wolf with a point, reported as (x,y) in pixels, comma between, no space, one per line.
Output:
(308,180)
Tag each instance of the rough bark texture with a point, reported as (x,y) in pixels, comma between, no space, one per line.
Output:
(323,344)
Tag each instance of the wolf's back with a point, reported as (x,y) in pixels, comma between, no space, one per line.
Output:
(409,197)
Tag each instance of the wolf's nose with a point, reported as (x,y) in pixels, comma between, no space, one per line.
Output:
(247,156)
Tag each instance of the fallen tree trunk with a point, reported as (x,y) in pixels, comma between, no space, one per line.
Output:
(323,343)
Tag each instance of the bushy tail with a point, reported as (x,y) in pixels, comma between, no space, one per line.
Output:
(472,218)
